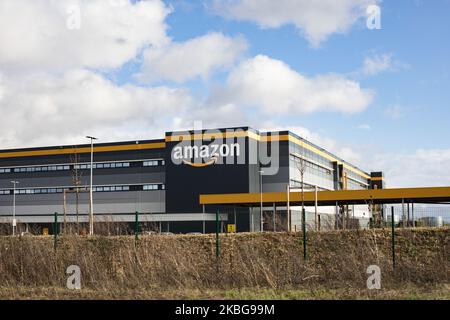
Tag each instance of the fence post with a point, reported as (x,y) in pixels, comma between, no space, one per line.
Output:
(393,236)
(136,226)
(304,232)
(217,234)
(55,231)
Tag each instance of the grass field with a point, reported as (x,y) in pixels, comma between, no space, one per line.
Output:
(407,292)
(250,266)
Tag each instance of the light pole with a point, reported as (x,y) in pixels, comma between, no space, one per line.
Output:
(91,201)
(14,182)
(261,172)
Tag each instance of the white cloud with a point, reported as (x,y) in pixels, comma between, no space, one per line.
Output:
(377,64)
(422,168)
(43,109)
(277,89)
(316,20)
(34,34)
(199,56)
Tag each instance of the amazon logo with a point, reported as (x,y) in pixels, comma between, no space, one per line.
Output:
(204,155)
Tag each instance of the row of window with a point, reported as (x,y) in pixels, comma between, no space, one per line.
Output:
(146,187)
(357,177)
(106,165)
(314,174)
(102,165)
(310,167)
(310,155)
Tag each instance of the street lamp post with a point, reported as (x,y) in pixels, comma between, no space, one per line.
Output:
(14,207)
(91,201)
(261,172)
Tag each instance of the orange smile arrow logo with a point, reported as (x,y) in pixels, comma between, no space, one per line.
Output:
(213,160)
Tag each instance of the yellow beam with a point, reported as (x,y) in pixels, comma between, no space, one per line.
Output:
(49,152)
(437,194)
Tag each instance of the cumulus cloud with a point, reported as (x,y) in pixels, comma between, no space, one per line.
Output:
(57,35)
(197,57)
(421,168)
(46,109)
(276,88)
(316,20)
(376,64)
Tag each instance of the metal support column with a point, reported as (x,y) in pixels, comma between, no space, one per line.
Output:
(204,222)
(315,208)
(136,226)
(217,235)
(393,236)
(336,222)
(403,213)
(304,233)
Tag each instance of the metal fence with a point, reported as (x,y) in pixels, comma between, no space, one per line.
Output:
(416,215)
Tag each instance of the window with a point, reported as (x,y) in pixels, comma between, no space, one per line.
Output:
(151,163)
(150,187)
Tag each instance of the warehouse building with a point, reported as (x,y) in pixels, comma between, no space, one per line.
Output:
(163,179)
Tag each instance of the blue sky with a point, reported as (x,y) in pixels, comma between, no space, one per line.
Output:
(415,33)
(123,69)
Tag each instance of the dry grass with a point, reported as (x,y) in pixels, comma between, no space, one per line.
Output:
(251,265)
(405,292)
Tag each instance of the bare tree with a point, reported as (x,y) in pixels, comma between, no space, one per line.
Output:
(301,166)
